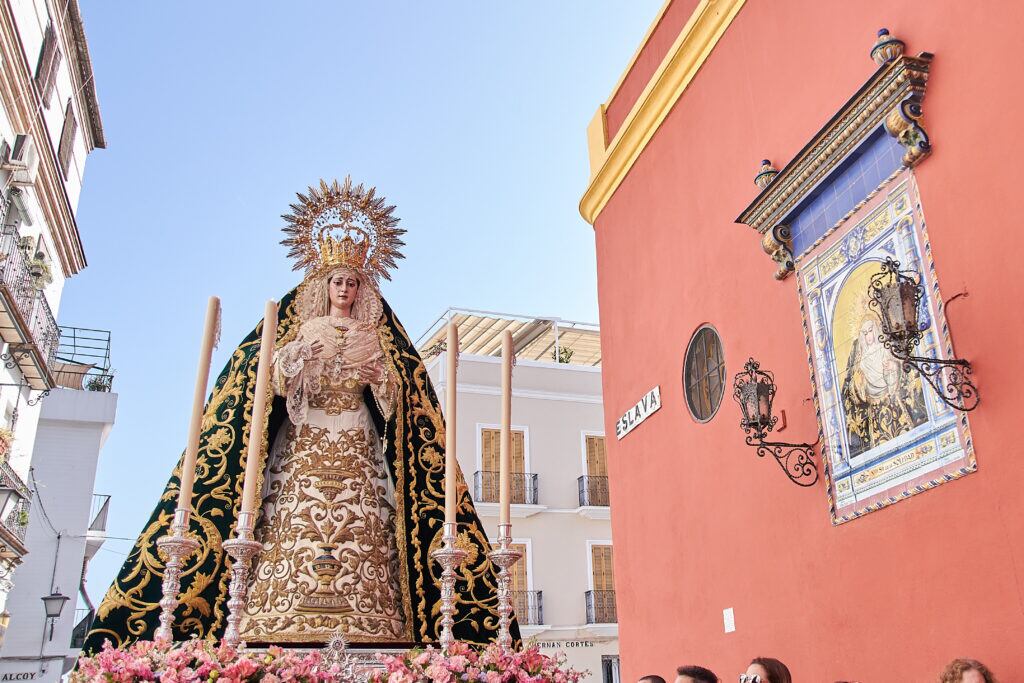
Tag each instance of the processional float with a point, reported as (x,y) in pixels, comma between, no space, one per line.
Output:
(177,546)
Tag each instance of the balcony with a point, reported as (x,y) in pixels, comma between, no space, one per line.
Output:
(601,607)
(83,622)
(593,491)
(83,359)
(26,321)
(14,527)
(486,489)
(96,534)
(529,607)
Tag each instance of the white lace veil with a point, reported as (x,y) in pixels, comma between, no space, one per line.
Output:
(313,302)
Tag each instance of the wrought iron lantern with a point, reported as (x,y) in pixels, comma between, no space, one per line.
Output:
(754,390)
(896,296)
(54,605)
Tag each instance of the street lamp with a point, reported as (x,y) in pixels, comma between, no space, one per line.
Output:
(54,605)
(896,296)
(754,390)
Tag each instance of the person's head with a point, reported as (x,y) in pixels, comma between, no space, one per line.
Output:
(342,288)
(695,674)
(966,671)
(766,670)
(651,678)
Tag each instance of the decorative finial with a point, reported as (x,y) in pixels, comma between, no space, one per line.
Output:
(886,48)
(766,174)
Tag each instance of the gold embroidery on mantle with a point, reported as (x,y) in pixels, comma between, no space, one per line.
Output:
(329,560)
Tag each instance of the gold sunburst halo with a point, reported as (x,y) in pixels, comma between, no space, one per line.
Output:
(341,224)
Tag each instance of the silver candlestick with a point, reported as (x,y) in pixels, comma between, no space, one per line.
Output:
(450,558)
(175,548)
(503,557)
(242,548)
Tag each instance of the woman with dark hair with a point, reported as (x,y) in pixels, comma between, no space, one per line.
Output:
(766,670)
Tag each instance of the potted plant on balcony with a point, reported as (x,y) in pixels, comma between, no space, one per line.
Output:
(39,270)
(6,437)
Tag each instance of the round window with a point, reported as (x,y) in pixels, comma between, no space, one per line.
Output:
(704,374)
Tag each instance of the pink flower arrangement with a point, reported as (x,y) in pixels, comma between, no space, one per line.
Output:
(467,663)
(201,660)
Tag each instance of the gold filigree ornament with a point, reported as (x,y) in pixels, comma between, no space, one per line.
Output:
(341,225)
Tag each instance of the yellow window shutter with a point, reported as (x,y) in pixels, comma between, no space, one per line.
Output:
(597,459)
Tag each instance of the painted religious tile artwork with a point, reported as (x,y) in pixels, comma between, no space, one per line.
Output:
(885,434)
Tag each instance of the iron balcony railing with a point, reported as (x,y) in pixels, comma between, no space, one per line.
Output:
(35,311)
(529,607)
(83,359)
(98,513)
(16,521)
(83,622)
(601,607)
(486,487)
(593,490)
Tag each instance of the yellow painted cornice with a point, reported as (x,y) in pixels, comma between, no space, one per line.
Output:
(691,48)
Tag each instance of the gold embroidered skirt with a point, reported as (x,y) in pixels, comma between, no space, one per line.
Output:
(329,564)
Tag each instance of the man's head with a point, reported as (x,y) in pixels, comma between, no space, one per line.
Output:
(695,674)
(651,678)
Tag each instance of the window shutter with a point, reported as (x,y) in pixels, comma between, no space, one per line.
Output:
(601,560)
(518,451)
(519,579)
(49,62)
(490,442)
(597,459)
(67,139)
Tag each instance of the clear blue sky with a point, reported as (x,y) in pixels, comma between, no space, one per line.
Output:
(470,117)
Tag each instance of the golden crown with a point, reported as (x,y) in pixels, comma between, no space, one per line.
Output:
(344,252)
(341,225)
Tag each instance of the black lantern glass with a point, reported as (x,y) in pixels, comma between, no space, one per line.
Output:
(754,390)
(896,296)
(54,605)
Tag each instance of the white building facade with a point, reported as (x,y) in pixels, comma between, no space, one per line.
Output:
(66,529)
(564,586)
(49,123)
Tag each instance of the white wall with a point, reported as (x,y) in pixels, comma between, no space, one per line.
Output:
(73,426)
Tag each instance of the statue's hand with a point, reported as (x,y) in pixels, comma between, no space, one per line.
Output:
(371,373)
(315,349)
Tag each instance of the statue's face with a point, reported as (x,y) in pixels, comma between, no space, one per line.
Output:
(341,291)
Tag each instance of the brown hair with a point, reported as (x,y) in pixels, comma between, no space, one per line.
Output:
(777,671)
(652,678)
(956,669)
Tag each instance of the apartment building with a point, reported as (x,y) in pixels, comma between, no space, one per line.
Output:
(49,123)
(564,589)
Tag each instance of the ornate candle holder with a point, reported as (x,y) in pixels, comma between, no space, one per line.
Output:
(503,558)
(241,549)
(450,558)
(175,548)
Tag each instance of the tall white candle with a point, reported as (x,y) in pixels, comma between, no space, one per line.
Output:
(505,476)
(188,467)
(451,465)
(259,407)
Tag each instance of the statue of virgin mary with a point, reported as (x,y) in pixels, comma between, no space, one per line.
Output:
(353,485)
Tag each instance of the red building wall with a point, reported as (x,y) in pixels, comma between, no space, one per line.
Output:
(702,524)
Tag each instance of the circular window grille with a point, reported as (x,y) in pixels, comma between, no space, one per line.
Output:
(704,374)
